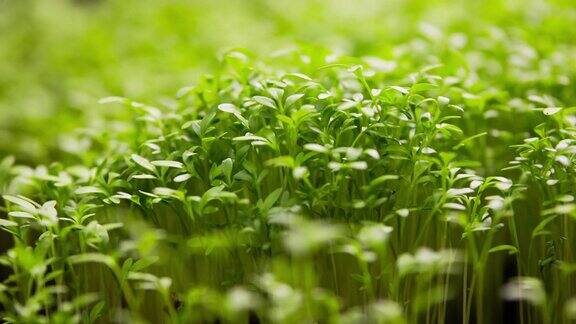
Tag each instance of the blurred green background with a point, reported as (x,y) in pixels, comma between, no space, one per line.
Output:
(58,57)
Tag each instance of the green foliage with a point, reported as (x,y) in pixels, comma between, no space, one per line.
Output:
(417,172)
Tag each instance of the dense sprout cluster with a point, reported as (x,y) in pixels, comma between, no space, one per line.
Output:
(297,197)
(431,184)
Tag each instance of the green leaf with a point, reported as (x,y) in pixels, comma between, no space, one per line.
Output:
(21,214)
(298,76)
(504,247)
(226,167)
(265,101)
(142,177)
(551,110)
(229,108)
(450,128)
(420,87)
(293,98)
(143,162)
(271,199)
(113,99)
(540,228)
(22,202)
(92,257)
(168,164)
(232,109)
(281,161)
(402,90)
(166,192)
(96,312)
(381,179)
(182,177)
(316,148)
(469,139)
(144,263)
(7,223)
(250,137)
(88,190)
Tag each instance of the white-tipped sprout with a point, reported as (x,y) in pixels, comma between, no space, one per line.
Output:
(524,289)
(286,301)
(426,260)
(240,299)
(301,236)
(374,235)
